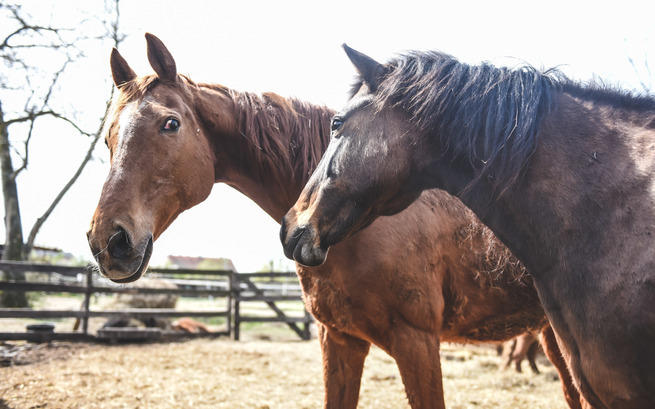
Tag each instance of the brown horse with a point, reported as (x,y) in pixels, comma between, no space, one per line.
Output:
(561,172)
(406,283)
(523,347)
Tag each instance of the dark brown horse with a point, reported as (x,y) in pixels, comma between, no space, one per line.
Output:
(562,173)
(406,283)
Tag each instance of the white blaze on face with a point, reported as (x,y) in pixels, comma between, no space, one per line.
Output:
(304,215)
(126,124)
(123,181)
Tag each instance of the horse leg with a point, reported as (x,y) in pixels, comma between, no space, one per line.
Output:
(343,363)
(532,355)
(417,355)
(523,343)
(508,352)
(554,354)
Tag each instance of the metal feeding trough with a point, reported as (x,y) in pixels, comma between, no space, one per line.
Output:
(128,334)
(42,327)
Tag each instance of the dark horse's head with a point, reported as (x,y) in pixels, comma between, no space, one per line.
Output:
(422,121)
(364,173)
(161,164)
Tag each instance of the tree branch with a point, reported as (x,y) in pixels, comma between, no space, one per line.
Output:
(55,78)
(32,119)
(29,117)
(34,115)
(46,99)
(24,26)
(89,153)
(641,81)
(25,156)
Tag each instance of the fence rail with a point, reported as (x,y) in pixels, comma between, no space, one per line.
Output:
(235,288)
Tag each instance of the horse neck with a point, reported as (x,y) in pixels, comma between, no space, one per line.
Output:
(583,170)
(266,146)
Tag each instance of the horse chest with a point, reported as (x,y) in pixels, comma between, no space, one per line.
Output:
(356,308)
(328,302)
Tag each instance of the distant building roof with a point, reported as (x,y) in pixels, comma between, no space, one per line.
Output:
(49,249)
(201,263)
(39,253)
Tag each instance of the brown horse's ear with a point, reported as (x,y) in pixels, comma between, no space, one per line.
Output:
(120,70)
(370,70)
(161,59)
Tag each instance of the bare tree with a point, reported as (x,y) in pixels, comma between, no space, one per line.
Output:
(638,57)
(643,73)
(24,39)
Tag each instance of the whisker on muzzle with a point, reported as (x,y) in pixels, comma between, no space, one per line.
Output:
(107,246)
(297,233)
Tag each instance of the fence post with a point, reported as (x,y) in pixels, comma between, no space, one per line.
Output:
(87,300)
(237,302)
(230,287)
(306,330)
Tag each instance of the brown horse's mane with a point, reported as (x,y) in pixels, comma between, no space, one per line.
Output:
(281,133)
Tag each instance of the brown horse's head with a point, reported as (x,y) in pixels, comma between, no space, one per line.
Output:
(365,172)
(161,164)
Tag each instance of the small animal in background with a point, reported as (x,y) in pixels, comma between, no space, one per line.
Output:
(190,325)
(524,346)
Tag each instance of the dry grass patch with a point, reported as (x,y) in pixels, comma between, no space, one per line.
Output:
(254,374)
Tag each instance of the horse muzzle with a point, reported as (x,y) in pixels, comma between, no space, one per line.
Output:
(120,260)
(301,244)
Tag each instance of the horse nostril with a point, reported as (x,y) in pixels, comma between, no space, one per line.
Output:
(289,244)
(119,246)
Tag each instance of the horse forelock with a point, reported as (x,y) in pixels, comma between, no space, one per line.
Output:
(136,90)
(128,92)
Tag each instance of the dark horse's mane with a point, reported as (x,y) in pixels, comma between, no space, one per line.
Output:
(486,115)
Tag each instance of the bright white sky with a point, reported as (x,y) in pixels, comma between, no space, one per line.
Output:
(293,48)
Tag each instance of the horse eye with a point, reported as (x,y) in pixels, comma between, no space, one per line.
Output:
(171,124)
(336,124)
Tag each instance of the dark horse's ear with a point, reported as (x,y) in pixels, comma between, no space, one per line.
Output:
(370,70)
(120,71)
(161,59)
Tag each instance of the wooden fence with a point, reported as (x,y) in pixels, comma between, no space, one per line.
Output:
(234,288)
(248,288)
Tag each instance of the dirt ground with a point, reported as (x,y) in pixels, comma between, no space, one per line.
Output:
(251,374)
